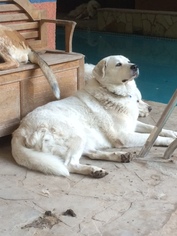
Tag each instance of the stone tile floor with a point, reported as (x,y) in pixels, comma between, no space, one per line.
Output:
(135,199)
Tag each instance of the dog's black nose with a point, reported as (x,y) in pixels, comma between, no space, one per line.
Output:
(134,67)
(149,108)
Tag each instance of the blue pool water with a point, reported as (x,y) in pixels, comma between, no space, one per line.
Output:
(156,58)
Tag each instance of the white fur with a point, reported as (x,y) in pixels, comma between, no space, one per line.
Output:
(103,115)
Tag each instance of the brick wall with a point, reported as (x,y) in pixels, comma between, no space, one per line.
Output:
(50,7)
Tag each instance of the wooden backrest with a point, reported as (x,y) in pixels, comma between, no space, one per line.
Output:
(23,17)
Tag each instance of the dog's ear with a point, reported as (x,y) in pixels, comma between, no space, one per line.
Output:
(100,69)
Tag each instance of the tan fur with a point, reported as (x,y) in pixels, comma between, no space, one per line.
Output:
(14,50)
(16,38)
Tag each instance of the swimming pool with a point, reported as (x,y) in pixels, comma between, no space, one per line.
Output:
(156,58)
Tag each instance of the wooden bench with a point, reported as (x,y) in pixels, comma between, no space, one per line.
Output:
(24,88)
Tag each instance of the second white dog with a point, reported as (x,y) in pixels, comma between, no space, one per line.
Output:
(53,137)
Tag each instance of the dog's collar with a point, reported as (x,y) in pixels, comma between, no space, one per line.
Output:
(121,95)
(124,93)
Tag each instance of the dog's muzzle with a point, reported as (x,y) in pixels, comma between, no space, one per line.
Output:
(135,70)
(134,67)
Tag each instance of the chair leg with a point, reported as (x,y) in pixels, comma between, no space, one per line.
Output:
(170,149)
(160,124)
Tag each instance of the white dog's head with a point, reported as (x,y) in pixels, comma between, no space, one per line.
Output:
(115,70)
(117,74)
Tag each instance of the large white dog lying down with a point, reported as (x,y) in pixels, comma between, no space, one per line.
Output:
(53,138)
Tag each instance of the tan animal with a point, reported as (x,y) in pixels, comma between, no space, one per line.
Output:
(14,50)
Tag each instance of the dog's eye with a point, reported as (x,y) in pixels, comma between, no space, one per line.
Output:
(138,101)
(118,64)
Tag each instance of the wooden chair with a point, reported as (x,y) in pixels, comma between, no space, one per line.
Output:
(157,129)
(24,88)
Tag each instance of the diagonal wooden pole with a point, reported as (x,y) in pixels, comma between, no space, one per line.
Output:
(160,124)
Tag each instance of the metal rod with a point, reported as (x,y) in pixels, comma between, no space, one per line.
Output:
(170,149)
(160,124)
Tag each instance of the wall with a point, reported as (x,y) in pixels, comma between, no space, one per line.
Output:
(159,5)
(65,6)
(142,22)
(50,7)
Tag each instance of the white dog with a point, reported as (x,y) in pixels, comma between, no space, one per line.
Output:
(53,137)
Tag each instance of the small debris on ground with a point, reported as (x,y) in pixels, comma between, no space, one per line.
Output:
(48,220)
(69,212)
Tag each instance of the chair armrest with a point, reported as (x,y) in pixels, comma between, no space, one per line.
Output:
(69,30)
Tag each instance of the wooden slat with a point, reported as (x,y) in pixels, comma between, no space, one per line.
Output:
(37,45)
(34,13)
(13,17)
(24,26)
(30,34)
(10,7)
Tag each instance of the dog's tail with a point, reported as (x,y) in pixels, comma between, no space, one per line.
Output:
(35,58)
(38,161)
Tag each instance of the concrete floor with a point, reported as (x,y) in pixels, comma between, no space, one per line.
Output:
(137,198)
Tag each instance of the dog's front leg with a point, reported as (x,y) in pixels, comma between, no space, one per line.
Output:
(109,155)
(89,170)
(73,156)
(143,128)
(146,128)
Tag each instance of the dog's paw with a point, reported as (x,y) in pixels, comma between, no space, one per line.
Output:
(126,157)
(98,173)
